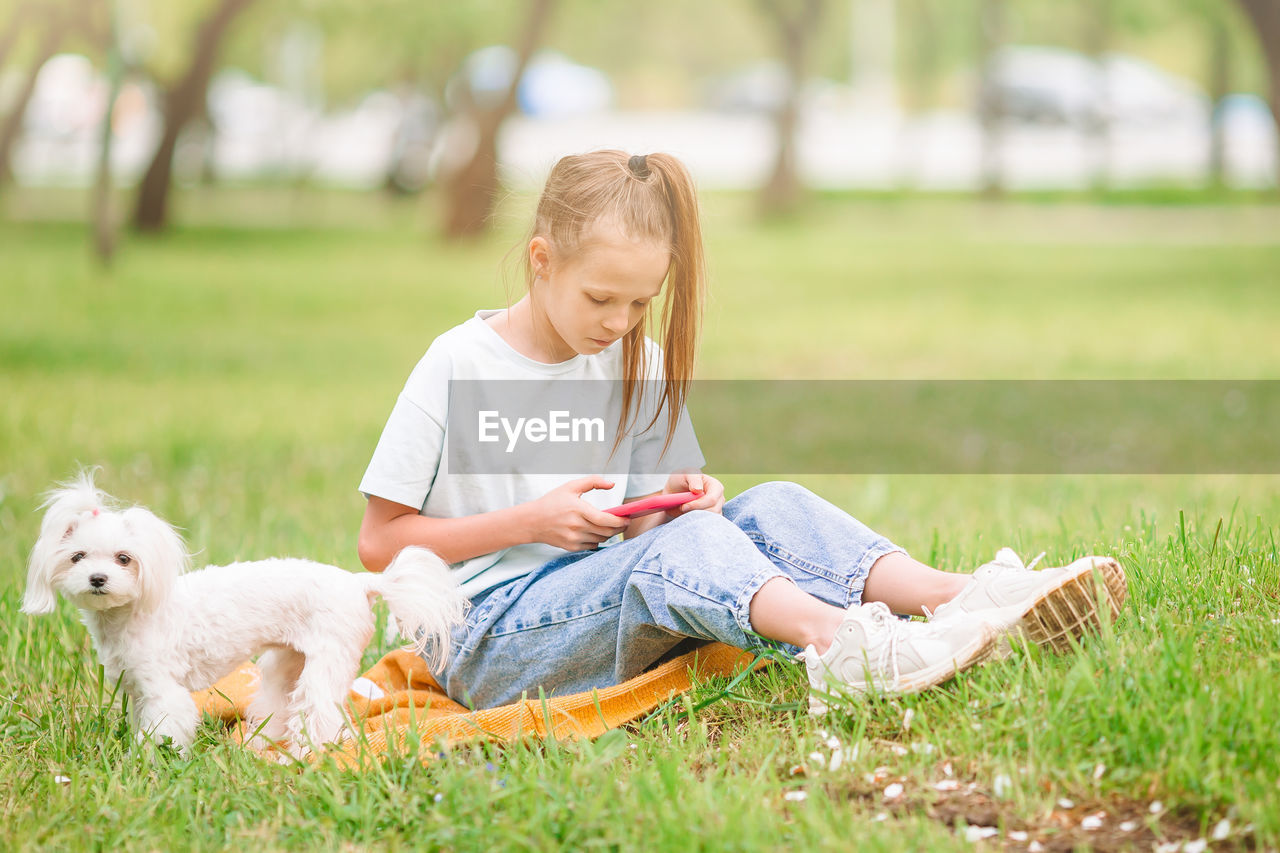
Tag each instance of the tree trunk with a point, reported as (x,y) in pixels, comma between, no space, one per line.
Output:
(1219,87)
(56,30)
(1265,17)
(1097,39)
(101,214)
(470,192)
(923,55)
(781,194)
(991,103)
(181,103)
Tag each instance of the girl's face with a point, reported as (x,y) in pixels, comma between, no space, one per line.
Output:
(596,295)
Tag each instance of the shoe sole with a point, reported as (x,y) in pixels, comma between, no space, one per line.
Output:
(978,650)
(1067,611)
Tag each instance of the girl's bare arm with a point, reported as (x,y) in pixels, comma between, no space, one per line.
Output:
(559,518)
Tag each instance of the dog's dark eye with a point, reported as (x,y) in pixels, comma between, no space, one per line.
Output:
(77,556)
(123,559)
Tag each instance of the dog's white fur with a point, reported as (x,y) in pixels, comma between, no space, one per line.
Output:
(169,632)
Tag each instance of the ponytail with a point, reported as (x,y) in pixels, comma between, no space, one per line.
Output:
(651,197)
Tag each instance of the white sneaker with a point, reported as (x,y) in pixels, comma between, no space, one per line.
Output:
(1050,607)
(873,650)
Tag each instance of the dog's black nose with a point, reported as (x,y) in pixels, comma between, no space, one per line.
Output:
(98,581)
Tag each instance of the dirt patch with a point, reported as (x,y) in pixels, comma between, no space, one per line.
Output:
(1115,823)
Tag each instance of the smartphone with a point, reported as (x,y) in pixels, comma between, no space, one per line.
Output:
(657,503)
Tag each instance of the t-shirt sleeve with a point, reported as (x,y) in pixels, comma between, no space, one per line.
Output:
(653,460)
(407,458)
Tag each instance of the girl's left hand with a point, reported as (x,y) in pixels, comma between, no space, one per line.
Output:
(710,497)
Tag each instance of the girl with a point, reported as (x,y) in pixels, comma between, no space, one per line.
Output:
(567,597)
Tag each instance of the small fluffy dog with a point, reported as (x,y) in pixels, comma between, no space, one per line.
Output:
(171,632)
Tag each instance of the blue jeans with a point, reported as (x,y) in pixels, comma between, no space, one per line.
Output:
(593,619)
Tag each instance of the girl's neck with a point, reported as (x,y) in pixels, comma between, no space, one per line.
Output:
(528,331)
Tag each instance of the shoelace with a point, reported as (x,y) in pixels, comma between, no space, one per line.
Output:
(884,618)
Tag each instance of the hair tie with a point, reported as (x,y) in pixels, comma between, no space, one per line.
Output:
(639,166)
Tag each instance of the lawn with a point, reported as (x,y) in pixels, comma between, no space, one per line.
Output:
(235,375)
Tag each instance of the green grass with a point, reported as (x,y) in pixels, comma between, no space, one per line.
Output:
(235,377)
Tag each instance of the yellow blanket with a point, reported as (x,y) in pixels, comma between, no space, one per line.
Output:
(416,709)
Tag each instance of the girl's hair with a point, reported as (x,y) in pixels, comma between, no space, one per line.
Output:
(650,197)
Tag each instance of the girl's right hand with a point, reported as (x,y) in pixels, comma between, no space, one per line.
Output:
(563,519)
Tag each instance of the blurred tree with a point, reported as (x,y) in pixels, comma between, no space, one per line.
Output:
(923,55)
(470,191)
(55,23)
(1264,15)
(795,22)
(1099,23)
(1219,87)
(101,214)
(183,101)
(991,36)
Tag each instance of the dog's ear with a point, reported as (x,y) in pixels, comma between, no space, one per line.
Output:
(39,596)
(65,508)
(160,553)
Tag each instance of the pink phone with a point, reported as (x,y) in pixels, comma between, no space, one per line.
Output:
(657,503)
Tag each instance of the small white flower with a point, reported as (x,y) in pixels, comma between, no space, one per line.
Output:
(1222,830)
(438,797)
(62,780)
(880,817)
(796,796)
(1168,847)
(1197,846)
(1064,803)
(1035,847)
(837,758)
(1128,825)
(907,718)
(1092,822)
(1156,807)
(818,758)
(1017,835)
(893,791)
(923,748)
(832,743)
(977,833)
(1002,786)
(947,785)
(1099,770)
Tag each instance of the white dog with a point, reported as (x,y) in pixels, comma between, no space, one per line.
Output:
(169,632)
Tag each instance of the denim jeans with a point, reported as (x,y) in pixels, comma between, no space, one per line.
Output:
(593,619)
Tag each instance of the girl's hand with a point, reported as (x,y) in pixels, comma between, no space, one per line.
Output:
(710,492)
(561,517)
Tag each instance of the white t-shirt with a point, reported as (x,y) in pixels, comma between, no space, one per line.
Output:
(450,449)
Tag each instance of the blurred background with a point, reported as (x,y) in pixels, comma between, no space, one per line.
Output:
(130,99)
(229,228)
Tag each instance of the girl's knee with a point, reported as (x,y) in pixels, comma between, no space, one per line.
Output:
(705,538)
(700,524)
(768,497)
